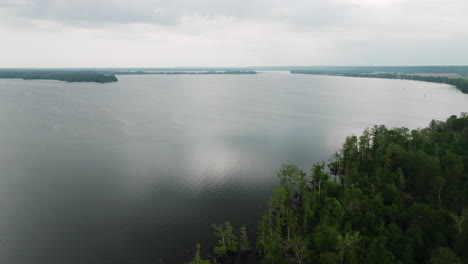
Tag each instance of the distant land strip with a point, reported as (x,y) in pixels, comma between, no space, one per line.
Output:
(460,82)
(97,76)
(66,76)
(180,72)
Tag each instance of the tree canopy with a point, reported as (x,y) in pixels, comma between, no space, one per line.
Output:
(388,196)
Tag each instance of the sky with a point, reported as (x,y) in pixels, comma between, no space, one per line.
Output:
(232,33)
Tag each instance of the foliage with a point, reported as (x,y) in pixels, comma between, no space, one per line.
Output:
(389,196)
(227,240)
(444,255)
(197,259)
(244,244)
(59,75)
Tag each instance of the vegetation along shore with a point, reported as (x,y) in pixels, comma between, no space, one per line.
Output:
(97,76)
(388,196)
(458,80)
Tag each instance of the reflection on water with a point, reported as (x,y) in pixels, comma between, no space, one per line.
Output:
(136,171)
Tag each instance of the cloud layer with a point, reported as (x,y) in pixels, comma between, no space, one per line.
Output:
(151,33)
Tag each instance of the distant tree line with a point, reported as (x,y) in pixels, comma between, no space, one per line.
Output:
(395,69)
(388,196)
(59,75)
(195,72)
(99,76)
(173,72)
(460,83)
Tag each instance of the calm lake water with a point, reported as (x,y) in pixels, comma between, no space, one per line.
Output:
(136,171)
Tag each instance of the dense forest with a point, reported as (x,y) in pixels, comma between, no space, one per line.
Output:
(388,196)
(460,83)
(59,75)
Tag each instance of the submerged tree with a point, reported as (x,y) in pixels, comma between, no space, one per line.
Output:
(197,259)
(244,244)
(232,241)
(220,233)
(227,240)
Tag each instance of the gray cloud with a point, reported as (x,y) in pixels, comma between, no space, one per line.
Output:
(112,33)
(170,12)
(305,14)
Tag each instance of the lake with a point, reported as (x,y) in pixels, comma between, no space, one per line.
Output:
(137,171)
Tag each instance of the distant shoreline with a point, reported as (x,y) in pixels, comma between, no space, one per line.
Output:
(66,76)
(460,83)
(182,72)
(97,76)
(452,75)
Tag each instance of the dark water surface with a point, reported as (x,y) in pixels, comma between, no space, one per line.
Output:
(136,171)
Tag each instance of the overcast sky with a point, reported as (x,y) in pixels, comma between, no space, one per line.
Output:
(167,33)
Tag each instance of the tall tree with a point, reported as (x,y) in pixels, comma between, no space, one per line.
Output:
(244,244)
(197,259)
(220,232)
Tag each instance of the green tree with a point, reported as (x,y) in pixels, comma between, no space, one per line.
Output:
(298,246)
(444,255)
(346,245)
(197,259)
(227,240)
(378,253)
(396,197)
(220,232)
(232,240)
(459,220)
(269,241)
(244,244)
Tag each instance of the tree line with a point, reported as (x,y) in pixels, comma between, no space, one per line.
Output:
(59,75)
(99,76)
(388,196)
(204,72)
(460,83)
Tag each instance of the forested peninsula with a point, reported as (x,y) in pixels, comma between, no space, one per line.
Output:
(387,196)
(59,75)
(458,80)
